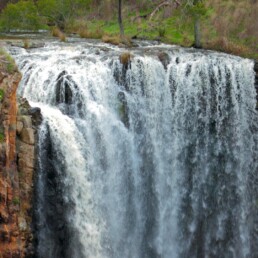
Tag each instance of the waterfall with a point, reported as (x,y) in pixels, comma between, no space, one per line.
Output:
(150,157)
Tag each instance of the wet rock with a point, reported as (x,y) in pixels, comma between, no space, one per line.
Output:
(36,116)
(164,59)
(64,93)
(24,106)
(123,109)
(256,66)
(125,59)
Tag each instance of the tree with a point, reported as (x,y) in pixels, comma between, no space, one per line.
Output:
(196,9)
(3,3)
(22,15)
(59,12)
(120,20)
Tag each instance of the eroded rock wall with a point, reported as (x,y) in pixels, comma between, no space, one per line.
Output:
(18,134)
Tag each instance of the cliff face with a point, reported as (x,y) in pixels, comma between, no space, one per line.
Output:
(17,167)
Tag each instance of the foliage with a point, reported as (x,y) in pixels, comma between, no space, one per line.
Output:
(60,12)
(93,33)
(1,94)
(22,15)
(224,45)
(16,201)
(6,62)
(26,43)
(1,137)
(115,40)
(56,32)
(195,8)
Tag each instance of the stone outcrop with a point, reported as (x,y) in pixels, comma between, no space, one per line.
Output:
(18,124)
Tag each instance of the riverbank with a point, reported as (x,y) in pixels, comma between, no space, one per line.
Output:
(34,40)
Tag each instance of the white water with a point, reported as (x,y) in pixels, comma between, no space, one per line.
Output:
(148,161)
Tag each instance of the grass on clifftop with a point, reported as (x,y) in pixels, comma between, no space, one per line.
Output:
(170,31)
(228,27)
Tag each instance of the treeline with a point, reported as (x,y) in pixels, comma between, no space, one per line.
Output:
(228,25)
(34,14)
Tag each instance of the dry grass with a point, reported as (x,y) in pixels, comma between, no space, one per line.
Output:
(224,45)
(117,40)
(85,33)
(26,43)
(236,19)
(76,25)
(56,32)
(114,40)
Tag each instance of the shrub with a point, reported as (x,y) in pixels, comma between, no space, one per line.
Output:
(114,40)
(224,45)
(1,137)
(1,94)
(95,34)
(16,201)
(117,40)
(22,15)
(56,32)
(6,62)
(26,43)
(162,32)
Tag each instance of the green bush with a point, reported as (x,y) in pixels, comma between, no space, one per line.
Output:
(1,94)
(1,137)
(22,15)
(16,201)
(8,63)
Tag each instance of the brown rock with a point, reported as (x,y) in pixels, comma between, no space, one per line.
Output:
(19,127)
(24,164)
(26,148)
(15,233)
(16,188)
(4,216)
(26,121)
(27,136)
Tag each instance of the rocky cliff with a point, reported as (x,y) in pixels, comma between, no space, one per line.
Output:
(18,123)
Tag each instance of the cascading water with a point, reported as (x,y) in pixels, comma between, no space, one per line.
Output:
(141,158)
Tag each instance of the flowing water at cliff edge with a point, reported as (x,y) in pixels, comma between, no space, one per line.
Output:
(143,159)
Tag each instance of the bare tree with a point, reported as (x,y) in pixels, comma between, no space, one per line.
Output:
(120,20)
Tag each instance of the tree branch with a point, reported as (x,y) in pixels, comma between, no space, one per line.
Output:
(159,6)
